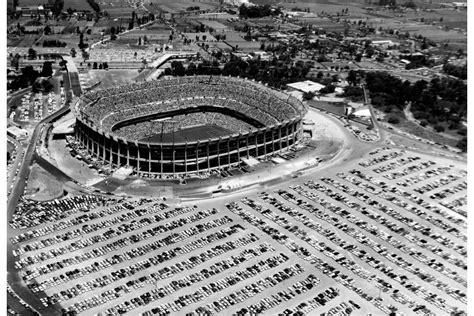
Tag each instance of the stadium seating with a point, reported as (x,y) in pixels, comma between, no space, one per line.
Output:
(105,108)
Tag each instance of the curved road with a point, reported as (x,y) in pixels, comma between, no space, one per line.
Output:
(13,277)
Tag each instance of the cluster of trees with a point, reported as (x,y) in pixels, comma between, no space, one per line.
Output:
(94,5)
(28,78)
(193,8)
(257,11)
(417,61)
(438,103)
(82,45)
(456,71)
(53,43)
(96,65)
(139,20)
(57,7)
(275,73)
(387,2)
(354,93)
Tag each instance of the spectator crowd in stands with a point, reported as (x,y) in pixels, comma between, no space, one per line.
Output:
(105,108)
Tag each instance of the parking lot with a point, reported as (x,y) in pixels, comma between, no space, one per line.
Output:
(369,236)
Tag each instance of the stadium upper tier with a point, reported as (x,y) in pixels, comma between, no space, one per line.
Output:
(258,105)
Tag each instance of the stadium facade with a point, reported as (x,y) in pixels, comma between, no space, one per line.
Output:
(276,117)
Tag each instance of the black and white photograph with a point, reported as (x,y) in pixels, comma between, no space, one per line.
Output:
(236,157)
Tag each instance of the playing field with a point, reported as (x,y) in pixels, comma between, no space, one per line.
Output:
(190,134)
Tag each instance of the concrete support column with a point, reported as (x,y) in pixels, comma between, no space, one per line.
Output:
(256,145)
(228,151)
(111,151)
(279,137)
(138,159)
(104,148)
(174,160)
(219,153)
(238,149)
(247,144)
(161,158)
(208,160)
(128,154)
(149,159)
(186,158)
(197,156)
(119,154)
(273,142)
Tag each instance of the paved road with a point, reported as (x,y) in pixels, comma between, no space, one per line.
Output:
(13,278)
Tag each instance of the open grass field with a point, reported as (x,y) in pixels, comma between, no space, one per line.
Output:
(332,107)
(174,6)
(190,134)
(109,78)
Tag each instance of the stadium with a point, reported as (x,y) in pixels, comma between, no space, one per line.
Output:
(187,125)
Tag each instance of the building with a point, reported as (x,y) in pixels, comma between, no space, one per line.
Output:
(306,86)
(275,117)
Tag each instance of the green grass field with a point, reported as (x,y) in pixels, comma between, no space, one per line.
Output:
(190,134)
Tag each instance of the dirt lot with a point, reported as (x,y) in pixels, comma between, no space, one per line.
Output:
(42,186)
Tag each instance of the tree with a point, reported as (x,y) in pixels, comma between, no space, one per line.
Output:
(31,53)
(439,128)
(63,64)
(47,70)
(47,30)
(308,95)
(177,68)
(82,45)
(352,77)
(462,144)
(94,65)
(327,89)
(57,7)
(73,52)
(393,120)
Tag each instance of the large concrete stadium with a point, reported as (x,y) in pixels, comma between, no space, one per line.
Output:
(187,125)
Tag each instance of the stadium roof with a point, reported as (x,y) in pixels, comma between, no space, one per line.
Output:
(306,86)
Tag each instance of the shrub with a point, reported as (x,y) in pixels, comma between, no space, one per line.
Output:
(462,131)
(439,128)
(393,120)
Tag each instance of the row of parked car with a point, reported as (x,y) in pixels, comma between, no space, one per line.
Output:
(157,244)
(209,289)
(385,191)
(428,174)
(302,252)
(395,164)
(409,170)
(78,226)
(250,291)
(110,234)
(186,281)
(289,293)
(380,159)
(29,213)
(442,268)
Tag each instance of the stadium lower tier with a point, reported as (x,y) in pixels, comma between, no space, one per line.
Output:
(189,157)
